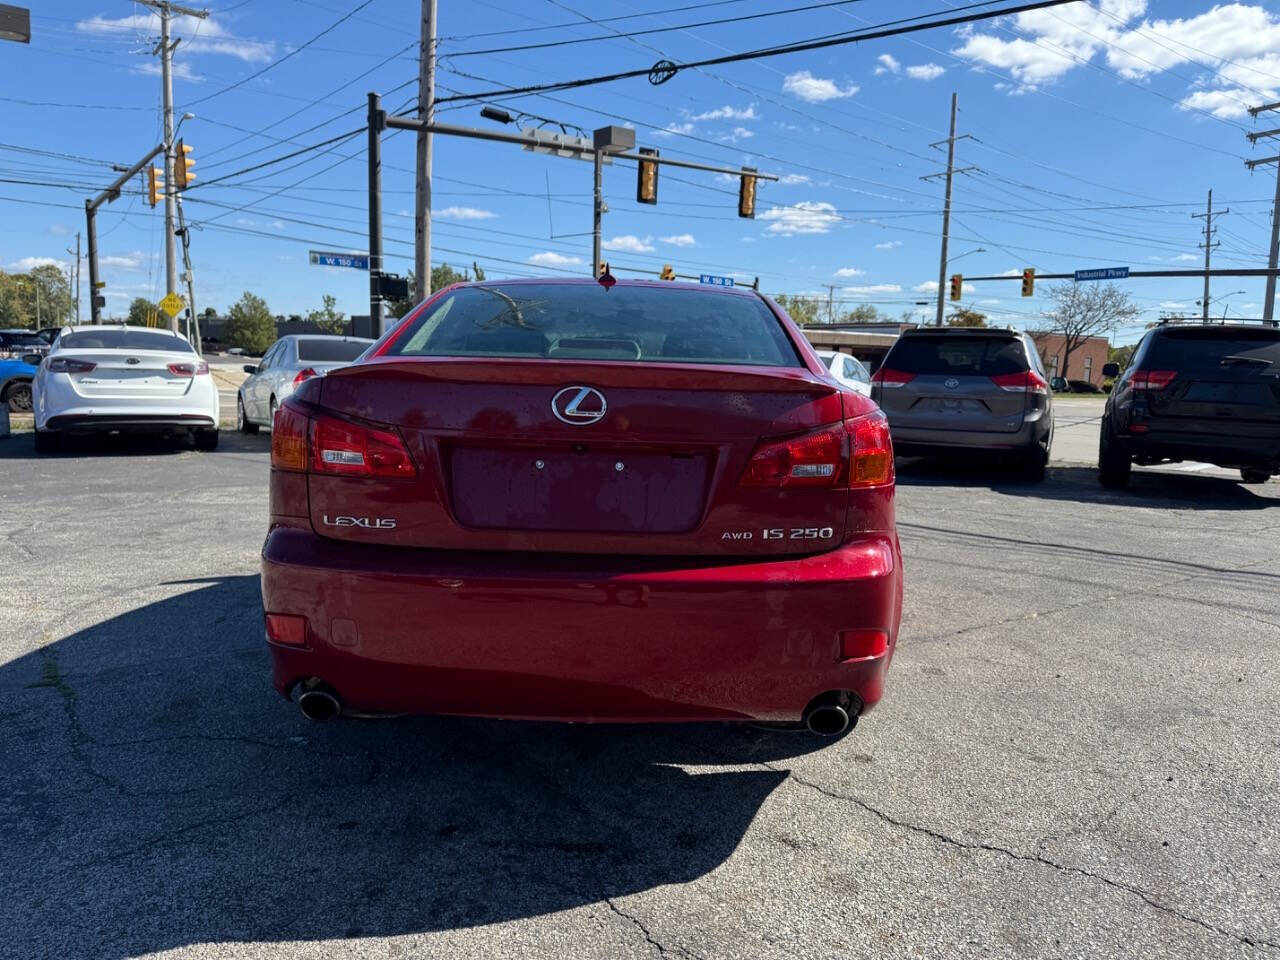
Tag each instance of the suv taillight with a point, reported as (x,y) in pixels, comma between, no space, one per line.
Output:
(1026,382)
(327,444)
(891,378)
(1152,379)
(855,453)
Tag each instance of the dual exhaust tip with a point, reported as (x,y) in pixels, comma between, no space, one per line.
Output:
(827,715)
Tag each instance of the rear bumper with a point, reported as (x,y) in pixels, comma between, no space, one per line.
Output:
(127,423)
(1220,449)
(579,638)
(916,441)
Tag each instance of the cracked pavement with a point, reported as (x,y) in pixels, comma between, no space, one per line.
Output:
(1078,754)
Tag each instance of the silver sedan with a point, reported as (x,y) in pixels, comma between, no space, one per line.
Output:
(290,361)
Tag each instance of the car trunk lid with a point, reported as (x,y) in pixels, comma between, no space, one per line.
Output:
(131,375)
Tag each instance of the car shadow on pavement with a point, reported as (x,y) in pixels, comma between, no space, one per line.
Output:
(157,793)
(1147,488)
(21,446)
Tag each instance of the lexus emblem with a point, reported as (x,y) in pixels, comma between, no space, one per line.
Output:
(133,360)
(951,383)
(579,405)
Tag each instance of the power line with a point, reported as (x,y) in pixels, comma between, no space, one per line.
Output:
(288,156)
(562,26)
(664,70)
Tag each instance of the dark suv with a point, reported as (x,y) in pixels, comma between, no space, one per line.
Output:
(1208,393)
(960,390)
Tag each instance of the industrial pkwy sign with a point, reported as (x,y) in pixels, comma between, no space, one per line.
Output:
(1105,273)
(325,258)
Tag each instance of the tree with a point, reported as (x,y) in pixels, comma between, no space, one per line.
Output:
(800,309)
(475,268)
(1083,310)
(327,318)
(57,305)
(1121,355)
(862,313)
(250,325)
(442,276)
(209,312)
(41,297)
(965,317)
(142,313)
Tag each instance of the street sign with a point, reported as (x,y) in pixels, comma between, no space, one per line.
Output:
(1106,273)
(716,281)
(172,304)
(100,284)
(325,258)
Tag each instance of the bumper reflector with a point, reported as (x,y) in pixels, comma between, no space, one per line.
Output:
(859,644)
(288,629)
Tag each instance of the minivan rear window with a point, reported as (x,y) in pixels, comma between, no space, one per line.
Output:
(330,350)
(957,356)
(590,322)
(1207,349)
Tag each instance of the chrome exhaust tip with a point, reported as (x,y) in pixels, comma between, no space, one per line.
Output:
(319,702)
(831,714)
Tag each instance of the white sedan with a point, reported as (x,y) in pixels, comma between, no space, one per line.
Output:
(116,379)
(848,370)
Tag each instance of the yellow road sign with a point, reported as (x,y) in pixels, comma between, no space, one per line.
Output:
(172,304)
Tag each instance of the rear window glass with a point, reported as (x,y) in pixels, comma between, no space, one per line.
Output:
(123,338)
(1191,349)
(957,356)
(330,351)
(588,322)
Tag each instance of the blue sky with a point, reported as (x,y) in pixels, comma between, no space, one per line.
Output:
(1096,131)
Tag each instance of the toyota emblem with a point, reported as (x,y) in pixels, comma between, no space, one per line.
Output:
(579,405)
(951,383)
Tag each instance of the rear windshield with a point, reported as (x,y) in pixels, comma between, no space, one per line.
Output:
(123,338)
(957,356)
(590,322)
(1192,349)
(330,350)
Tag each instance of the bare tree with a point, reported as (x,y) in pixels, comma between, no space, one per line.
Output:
(1084,310)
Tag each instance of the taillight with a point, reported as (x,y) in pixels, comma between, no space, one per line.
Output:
(1026,382)
(69,365)
(855,453)
(1152,379)
(891,378)
(304,374)
(289,439)
(189,369)
(343,447)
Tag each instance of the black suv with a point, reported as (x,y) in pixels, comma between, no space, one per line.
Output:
(1203,392)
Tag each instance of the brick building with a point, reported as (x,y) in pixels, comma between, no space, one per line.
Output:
(1086,359)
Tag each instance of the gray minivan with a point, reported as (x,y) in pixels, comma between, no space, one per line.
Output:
(952,390)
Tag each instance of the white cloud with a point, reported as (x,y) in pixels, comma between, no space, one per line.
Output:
(873,289)
(124,261)
(926,71)
(674,129)
(889,245)
(207,36)
(848,272)
(1171,305)
(680,240)
(736,134)
(1012,272)
(30,263)
(793,179)
(550,259)
(181,70)
(277,224)
(1185,258)
(805,86)
(245,222)
(931,286)
(990,303)
(630,244)
(802,218)
(887,64)
(58,229)
(729,113)
(465,213)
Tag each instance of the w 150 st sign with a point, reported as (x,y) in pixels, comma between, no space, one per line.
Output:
(325,258)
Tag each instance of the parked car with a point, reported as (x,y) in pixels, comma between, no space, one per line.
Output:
(16,374)
(49,334)
(118,379)
(17,343)
(289,362)
(960,390)
(1195,392)
(551,499)
(848,370)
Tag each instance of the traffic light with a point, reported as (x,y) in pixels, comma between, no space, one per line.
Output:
(747,193)
(182,164)
(668,273)
(647,177)
(1029,282)
(957,284)
(155,185)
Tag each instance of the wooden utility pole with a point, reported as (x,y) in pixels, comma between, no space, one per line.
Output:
(426,113)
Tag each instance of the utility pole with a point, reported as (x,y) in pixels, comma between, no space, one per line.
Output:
(376,121)
(1208,246)
(193,322)
(599,208)
(167,12)
(946,206)
(77,276)
(831,292)
(1269,302)
(426,113)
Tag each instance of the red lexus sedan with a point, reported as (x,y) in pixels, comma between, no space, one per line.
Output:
(560,500)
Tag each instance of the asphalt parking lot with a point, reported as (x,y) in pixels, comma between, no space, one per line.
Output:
(1078,754)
